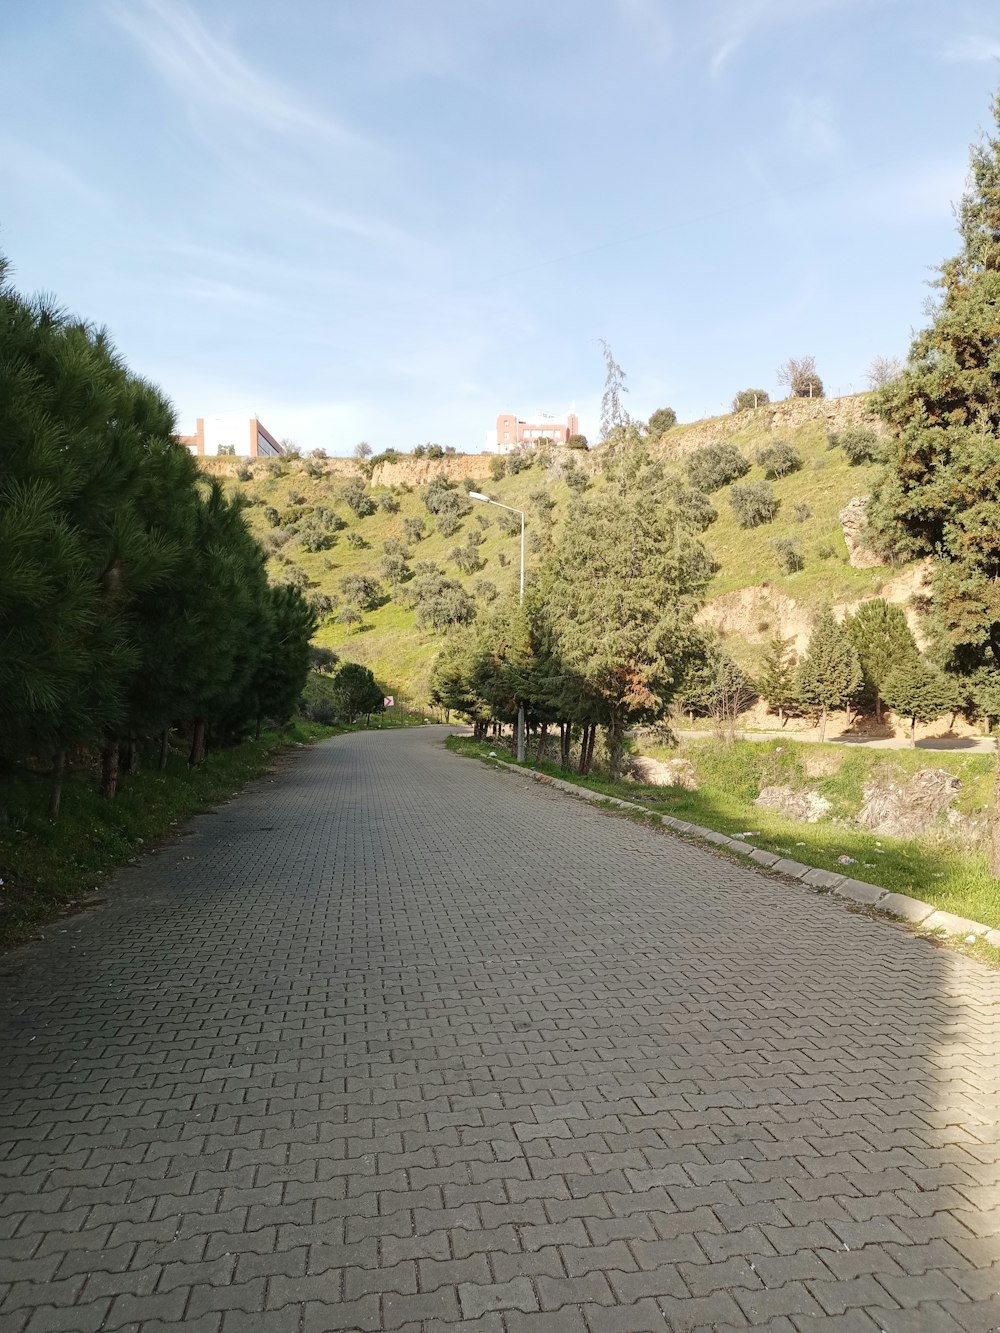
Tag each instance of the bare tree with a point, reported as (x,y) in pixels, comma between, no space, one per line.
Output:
(883,370)
(799,373)
(362,449)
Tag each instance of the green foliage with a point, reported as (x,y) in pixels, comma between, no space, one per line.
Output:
(355,540)
(387,502)
(244,472)
(714,466)
(508,522)
(830,673)
(440,602)
(712,685)
(271,516)
(467,557)
(485,591)
(357,498)
(778,459)
(802,512)
(883,641)
(753,503)
(498,467)
(357,692)
(575,477)
(577,442)
(695,508)
(662,420)
(361,591)
(520,460)
(859,443)
(777,680)
(748,399)
(414,528)
(789,554)
(938,493)
(920,691)
(314,535)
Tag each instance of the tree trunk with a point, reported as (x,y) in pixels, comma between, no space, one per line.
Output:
(581,767)
(587,753)
(822,724)
(131,758)
(614,731)
(913,733)
(543,738)
(55,792)
(565,735)
(256,730)
(164,748)
(878,709)
(995,840)
(197,755)
(109,769)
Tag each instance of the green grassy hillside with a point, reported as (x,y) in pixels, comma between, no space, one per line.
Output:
(401,655)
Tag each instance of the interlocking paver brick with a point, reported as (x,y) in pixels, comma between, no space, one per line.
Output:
(331,1062)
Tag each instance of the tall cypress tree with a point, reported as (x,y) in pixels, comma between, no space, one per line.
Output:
(830,671)
(939,492)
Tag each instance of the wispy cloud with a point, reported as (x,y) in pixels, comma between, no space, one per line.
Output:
(733,22)
(972,47)
(204,70)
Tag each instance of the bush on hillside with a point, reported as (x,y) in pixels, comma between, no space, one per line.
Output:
(355,496)
(789,555)
(577,442)
(859,444)
(244,472)
(467,558)
(439,602)
(314,536)
(747,399)
(270,515)
(696,509)
(753,503)
(414,528)
(356,541)
(778,459)
(714,466)
(662,420)
(802,512)
(509,522)
(520,460)
(387,502)
(498,467)
(361,590)
(485,591)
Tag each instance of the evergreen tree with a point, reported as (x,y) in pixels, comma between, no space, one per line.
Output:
(830,672)
(883,641)
(777,681)
(357,691)
(939,490)
(920,691)
(625,581)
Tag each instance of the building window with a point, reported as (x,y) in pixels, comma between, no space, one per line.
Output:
(264,447)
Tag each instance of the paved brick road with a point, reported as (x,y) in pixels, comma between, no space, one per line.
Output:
(398,1042)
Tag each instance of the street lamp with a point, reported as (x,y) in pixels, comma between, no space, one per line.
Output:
(478,495)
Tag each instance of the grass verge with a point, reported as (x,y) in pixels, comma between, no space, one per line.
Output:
(49,867)
(943,873)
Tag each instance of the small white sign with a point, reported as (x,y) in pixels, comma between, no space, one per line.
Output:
(388,701)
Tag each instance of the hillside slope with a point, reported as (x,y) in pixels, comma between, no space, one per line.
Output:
(749,598)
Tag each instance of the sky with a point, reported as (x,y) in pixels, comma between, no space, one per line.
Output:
(392,220)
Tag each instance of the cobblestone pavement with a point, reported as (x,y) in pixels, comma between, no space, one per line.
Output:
(394,1041)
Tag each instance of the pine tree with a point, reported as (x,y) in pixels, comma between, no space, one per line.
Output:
(830,671)
(939,491)
(777,681)
(883,641)
(920,691)
(625,581)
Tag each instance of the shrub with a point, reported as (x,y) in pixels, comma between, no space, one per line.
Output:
(747,399)
(361,590)
(789,556)
(314,536)
(433,494)
(324,605)
(802,512)
(349,616)
(483,519)
(393,546)
(440,602)
(502,560)
(696,508)
(317,453)
(296,498)
(469,484)
(356,540)
(753,503)
(435,451)
(662,420)
(520,460)
(293,574)
(860,445)
(778,459)
(498,467)
(420,451)
(715,465)
(244,472)
(485,591)
(355,496)
(448,522)
(575,477)
(413,529)
(509,522)
(392,568)
(319,709)
(276,539)
(271,515)
(577,442)
(799,373)
(466,558)
(827,550)
(292,451)
(315,469)
(387,502)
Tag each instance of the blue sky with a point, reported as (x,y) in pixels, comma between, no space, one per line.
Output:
(392,219)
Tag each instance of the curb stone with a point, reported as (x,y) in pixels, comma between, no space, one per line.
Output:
(913,910)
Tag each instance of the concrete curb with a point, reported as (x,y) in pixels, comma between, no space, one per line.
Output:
(913,910)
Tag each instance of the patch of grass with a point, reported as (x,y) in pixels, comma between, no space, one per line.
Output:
(947,874)
(51,866)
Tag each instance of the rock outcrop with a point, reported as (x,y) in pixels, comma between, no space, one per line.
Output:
(854,522)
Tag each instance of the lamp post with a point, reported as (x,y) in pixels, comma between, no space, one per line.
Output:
(478,495)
